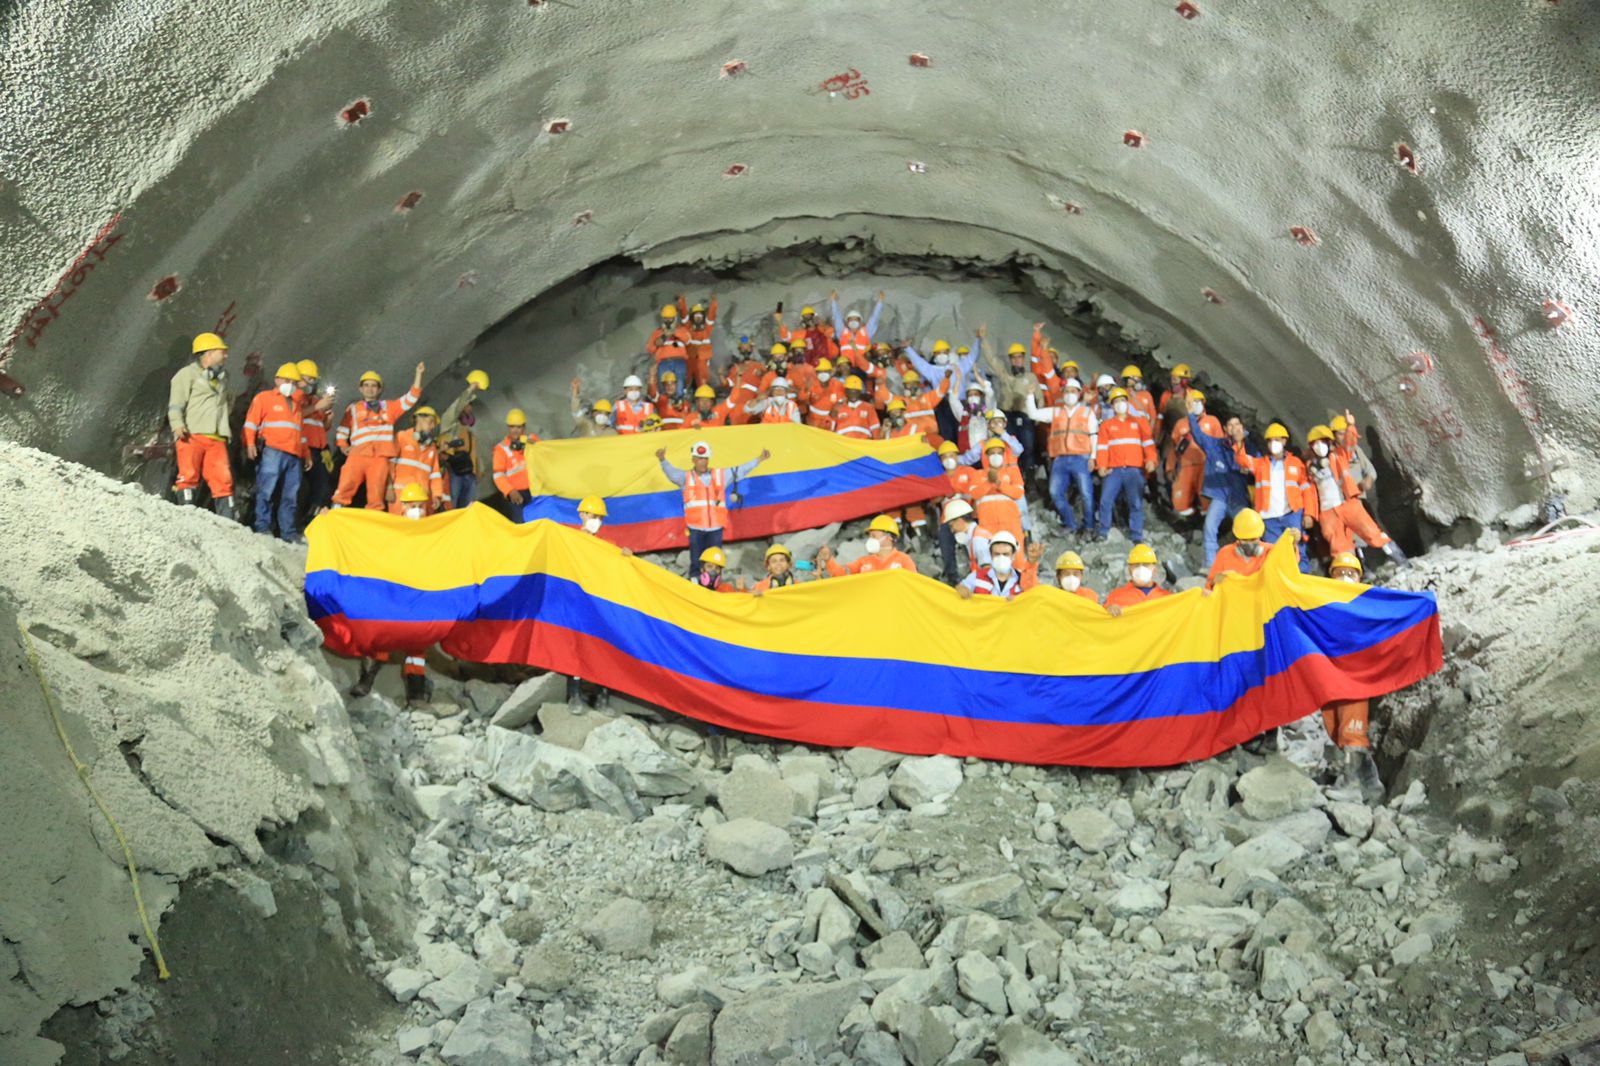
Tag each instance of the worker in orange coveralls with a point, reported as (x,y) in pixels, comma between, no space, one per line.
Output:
(1335,500)
(414,667)
(417,462)
(366,437)
(1346,720)
(1141,586)
(698,322)
(1246,554)
(881,554)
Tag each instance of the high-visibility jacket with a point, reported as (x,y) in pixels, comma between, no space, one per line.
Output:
(785,410)
(1145,404)
(705,505)
(1190,453)
(744,382)
(1072,431)
(854,344)
(996,505)
(198,404)
(1229,560)
(717,416)
(697,341)
(418,464)
(668,343)
(368,428)
(987,583)
(859,419)
(317,424)
(820,406)
(1339,484)
(1124,442)
(920,408)
(966,482)
(897,560)
(1087,593)
(810,344)
(978,535)
(889,431)
(672,414)
(275,420)
(511,466)
(1131,595)
(628,416)
(1293,471)
(1041,360)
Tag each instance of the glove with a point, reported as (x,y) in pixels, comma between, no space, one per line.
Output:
(327,460)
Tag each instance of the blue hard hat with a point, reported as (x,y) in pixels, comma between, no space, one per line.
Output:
(744,340)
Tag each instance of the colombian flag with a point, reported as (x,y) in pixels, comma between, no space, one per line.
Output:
(814,477)
(889,660)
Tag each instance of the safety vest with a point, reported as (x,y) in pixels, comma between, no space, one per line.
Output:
(986,583)
(417,464)
(671,414)
(368,428)
(697,342)
(978,533)
(824,399)
(1124,443)
(511,467)
(628,415)
(855,419)
(1259,467)
(780,411)
(919,408)
(1072,431)
(705,506)
(275,420)
(854,344)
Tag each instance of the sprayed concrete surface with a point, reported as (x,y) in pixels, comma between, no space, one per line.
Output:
(216,145)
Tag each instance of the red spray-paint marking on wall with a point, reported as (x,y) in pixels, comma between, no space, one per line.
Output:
(408,201)
(1134,139)
(733,68)
(1556,314)
(1304,237)
(1407,158)
(850,83)
(225,320)
(583,218)
(1072,207)
(735,171)
(355,113)
(164,288)
(47,310)
(558,125)
(1187,10)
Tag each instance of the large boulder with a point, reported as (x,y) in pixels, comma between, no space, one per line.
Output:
(624,927)
(624,743)
(551,777)
(1003,896)
(524,703)
(754,789)
(749,847)
(1276,789)
(1273,852)
(769,1026)
(1091,829)
(925,780)
(1199,924)
(490,1035)
(467,982)
(1019,1045)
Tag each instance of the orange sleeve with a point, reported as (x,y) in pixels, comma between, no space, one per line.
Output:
(835,570)
(683,308)
(253,418)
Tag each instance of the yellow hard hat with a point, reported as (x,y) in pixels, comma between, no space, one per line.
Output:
(207,342)
(478,380)
(515,417)
(705,392)
(807,311)
(1319,433)
(290,371)
(1183,370)
(1070,362)
(994,444)
(896,404)
(1131,371)
(1276,431)
(1338,424)
(697,308)
(1069,561)
(963,350)
(824,364)
(1118,393)
(884,524)
(883,346)
(1344,560)
(713,557)
(852,382)
(592,505)
(413,493)
(1248,525)
(1196,394)
(1142,555)
(778,349)
(307,369)
(669,311)
(602,406)
(425,412)
(372,375)
(910,377)
(779,549)
(941,346)
(1016,349)
(665,374)
(949,448)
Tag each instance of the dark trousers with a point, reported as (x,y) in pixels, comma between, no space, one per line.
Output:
(1020,426)
(699,541)
(947,553)
(317,485)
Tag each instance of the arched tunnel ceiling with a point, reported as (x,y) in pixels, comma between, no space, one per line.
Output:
(202,141)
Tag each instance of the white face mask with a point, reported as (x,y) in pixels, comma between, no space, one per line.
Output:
(1321,447)
(964,537)
(942,359)
(1275,447)
(287,388)
(1197,408)
(1071,398)
(1144,576)
(996,459)
(876,545)
(1001,564)
(949,464)
(1071,580)
(1120,407)
(602,420)
(823,376)
(632,395)
(591,525)
(413,513)
(1350,577)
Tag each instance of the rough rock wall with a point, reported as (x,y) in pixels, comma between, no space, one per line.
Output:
(221,145)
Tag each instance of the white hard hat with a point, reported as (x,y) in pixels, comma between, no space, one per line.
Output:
(956,509)
(1003,537)
(976,386)
(1072,383)
(1103,380)
(632,382)
(700,450)
(852,313)
(780,383)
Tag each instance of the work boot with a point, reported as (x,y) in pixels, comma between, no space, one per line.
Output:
(602,700)
(416,690)
(1365,772)
(224,507)
(186,497)
(1392,550)
(575,695)
(369,674)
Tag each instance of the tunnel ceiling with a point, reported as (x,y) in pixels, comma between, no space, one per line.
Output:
(370,183)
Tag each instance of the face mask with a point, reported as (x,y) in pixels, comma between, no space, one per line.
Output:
(964,537)
(215,373)
(602,420)
(308,385)
(1196,408)
(1275,447)
(1120,406)
(874,545)
(997,460)
(1352,578)
(632,395)
(591,525)
(1070,582)
(942,359)
(1252,550)
(710,580)
(1001,564)
(287,388)
(425,436)
(823,376)
(949,464)
(1071,398)
(413,513)
(467,418)
(1321,447)
(1144,576)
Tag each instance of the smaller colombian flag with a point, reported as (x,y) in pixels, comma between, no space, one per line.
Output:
(813,477)
(1046,678)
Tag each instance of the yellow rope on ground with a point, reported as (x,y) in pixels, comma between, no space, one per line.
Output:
(83,775)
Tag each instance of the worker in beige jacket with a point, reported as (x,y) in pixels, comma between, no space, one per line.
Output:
(198,406)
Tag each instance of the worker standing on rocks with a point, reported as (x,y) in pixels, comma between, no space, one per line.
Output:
(828,394)
(460,452)
(317,484)
(1014,382)
(881,553)
(1124,454)
(853,339)
(668,344)
(413,500)
(1335,500)
(1189,481)
(710,565)
(811,341)
(707,411)
(669,399)
(590,420)
(999,500)
(698,322)
(1073,440)
(366,436)
(275,440)
(1069,576)
(1346,720)
(774,405)
(1223,484)
(855,417)
(417,462)
(1139,399)
(705,496)
(511,464)
(632,409)
(198,406)
(1280,484)
(592,516)
(1141,586)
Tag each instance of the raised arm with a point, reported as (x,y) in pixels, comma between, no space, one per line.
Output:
(872,320)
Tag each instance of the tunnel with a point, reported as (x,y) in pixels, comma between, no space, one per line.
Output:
(1322,205)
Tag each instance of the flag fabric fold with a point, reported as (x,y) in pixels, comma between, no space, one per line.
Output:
(813,477)
(890,660)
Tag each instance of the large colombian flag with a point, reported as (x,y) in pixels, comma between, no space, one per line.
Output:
(888,660)
(814,477)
